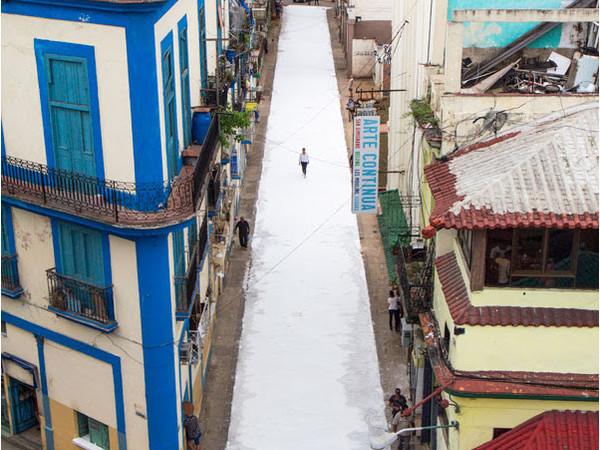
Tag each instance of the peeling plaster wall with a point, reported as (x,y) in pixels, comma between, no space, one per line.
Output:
(500,34)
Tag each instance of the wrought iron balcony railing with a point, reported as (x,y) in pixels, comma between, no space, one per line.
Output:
(10,276)
(80,298)
(100,199)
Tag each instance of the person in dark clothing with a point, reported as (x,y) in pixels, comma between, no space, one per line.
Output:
(243,228)
(397,402)
(192,426)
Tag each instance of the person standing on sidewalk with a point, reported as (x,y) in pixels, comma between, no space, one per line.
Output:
(192,426)
(397,402)
(394,310)
(401,423)
(303,161)
(243,228)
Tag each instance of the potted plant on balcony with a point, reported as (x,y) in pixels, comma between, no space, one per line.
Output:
(230,125)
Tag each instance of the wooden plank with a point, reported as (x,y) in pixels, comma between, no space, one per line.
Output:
(478,248)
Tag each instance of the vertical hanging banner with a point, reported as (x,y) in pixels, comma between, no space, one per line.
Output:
(365,164)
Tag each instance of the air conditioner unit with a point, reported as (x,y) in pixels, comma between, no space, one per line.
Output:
(407,333)
(185,352)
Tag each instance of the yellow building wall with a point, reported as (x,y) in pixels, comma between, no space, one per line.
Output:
(517,348)
(479,416)
(64,426)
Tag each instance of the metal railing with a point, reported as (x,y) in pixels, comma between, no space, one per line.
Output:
(80,298)
(100,199)
(214,189)
(10,273)
(205,159)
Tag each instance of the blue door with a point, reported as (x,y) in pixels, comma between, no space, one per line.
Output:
(170,115)
(70,113)
(23,406)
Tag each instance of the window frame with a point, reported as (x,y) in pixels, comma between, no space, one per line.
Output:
(543,272)
(85,433)
(66,50)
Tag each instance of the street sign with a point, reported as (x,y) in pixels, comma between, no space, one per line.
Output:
(365,164)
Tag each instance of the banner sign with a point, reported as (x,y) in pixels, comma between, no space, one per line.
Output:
(365,164)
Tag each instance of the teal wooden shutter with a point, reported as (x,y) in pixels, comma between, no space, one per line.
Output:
(81,253)
(82,424)
(203,62)
(170,115)
(5,233)
(99,434)
(70,113)
(178,253)
(185,88)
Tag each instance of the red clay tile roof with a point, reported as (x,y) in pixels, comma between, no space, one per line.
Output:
(544,174)
(504,384)
(463,312)
(551,430)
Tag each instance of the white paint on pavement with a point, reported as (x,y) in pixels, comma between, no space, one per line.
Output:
(307,375)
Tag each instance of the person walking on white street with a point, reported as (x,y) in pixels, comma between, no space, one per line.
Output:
(303,161)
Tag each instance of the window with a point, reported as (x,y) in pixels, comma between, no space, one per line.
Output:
(80,283)
(11,285)
(465,239)
(169,106)
(3,328)
(6,235)
(540,257)
(81,254)
(92,431)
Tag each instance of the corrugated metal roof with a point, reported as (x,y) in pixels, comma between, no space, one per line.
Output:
(541,174)
(551,430)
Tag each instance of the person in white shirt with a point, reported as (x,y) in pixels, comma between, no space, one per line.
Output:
(303,161)
(394,310)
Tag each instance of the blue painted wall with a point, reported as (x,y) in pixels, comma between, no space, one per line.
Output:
(157,336)
(500,34)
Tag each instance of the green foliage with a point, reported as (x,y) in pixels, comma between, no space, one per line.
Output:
(421,111)
(231,123)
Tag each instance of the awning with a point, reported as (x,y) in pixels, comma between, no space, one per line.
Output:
(394,229)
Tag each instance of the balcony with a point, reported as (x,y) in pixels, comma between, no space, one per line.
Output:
(108,201)
(80,301)
(11,286)
(113,202)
